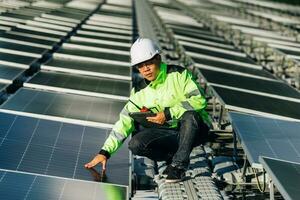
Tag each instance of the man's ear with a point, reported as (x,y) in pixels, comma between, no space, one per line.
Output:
(158,58)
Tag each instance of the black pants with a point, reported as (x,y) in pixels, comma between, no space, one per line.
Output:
(172,145)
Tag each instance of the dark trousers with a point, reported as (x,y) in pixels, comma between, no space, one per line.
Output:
(171,145)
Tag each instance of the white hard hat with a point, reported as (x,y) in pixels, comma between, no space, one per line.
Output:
(143,49)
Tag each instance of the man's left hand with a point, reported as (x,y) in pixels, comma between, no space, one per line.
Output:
(160,118)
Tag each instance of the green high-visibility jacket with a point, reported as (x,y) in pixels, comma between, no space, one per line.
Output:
(173,91)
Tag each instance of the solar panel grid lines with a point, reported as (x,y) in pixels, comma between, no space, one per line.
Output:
(78,84)
(33,35)
(18,185)
(239,62)
(69,107)
(61,151)
(263,136)
(233,99)
(284,174)
(16,60)
(251,73)
(191,47)
(287,97)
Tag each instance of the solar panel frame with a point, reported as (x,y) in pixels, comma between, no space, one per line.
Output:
(262,136)
(284,174)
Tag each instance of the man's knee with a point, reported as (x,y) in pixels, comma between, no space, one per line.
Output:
(191,115)
(135,146)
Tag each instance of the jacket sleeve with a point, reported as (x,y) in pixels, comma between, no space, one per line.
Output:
(121,130)
(193,97)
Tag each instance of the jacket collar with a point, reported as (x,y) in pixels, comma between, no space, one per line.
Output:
(161,77)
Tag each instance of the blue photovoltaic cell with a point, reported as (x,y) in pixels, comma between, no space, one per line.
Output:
(261,136)
(18,186)
(55,148)
(285,175)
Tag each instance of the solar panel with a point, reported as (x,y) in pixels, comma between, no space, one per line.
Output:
(230,67)
(266,86)
(225,55)
(107,27)
(197,35)
(239,101)
(99,45)
(16,60)
(293,53)
(56,17)
(104,36)
(16,16)
(262,136)
(10,73)
(57,149)
(18,185)
(26,40)
(193,29)
(78,16)
(285,175)
(39,32)
(92,54)
(88,68)
(197,42)
(96,86)
(35,51)
(77,108)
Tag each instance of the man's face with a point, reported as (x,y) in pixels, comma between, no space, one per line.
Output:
(150,69)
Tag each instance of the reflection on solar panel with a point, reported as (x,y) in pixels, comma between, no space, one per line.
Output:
(285,175)
(16,185)
(55,148)
(82,109)
(88,68)
(239,101)
(261,136)
(97,86)
(271,87)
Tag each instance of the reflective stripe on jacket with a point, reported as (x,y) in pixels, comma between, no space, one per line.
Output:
(173,91)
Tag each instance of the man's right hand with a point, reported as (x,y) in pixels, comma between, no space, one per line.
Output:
(97,159)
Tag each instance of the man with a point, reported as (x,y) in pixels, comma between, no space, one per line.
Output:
(179,104)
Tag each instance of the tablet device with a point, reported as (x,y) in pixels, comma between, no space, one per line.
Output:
(141,118)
